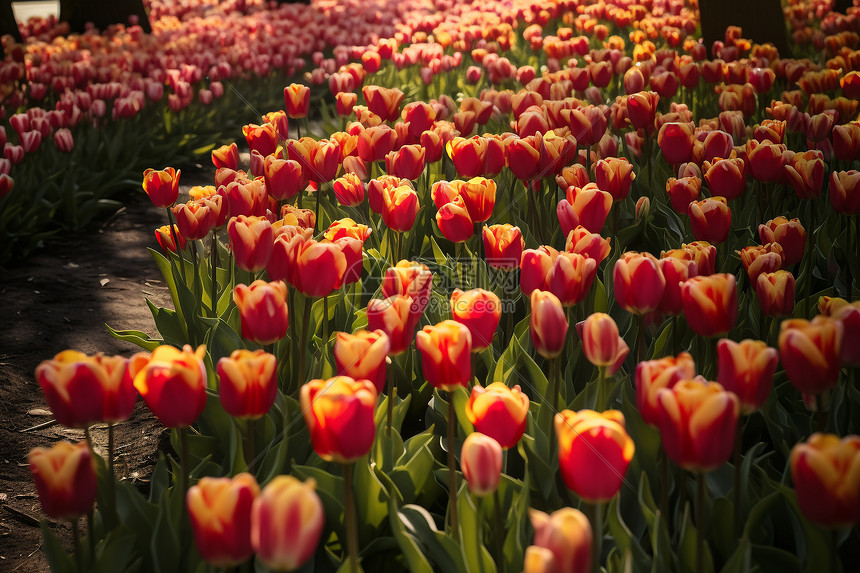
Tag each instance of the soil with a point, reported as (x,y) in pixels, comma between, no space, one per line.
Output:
(60,298)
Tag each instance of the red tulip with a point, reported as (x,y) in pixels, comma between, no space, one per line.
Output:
(479,310)
(548,324)
(339,415)
(746,368)
(262,310)
(499,412)
(172,383)
(638,282)
(248,383)
(655,375)
(65,477)
(363,356)
(710,219)
(810,352)
(481,461)
(220,513)
(710,303)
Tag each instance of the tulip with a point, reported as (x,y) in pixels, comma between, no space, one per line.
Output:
(846,142)
(284,178)
(599,442)
(583,242)
(810,352)
(481,460)
(717,144)
(567,534)
(82,390)
(766,160)
(534,268)
(548,324)
(746,368)
(676,272)
(194,219)
(826,475)
(220,513)
(346,227)
(397,317)
(375,143)
(248,383)
(540,560)
(697,423)
(407,162)
(676,141)
(297,100)
(761,259)
(445,354)
(710,219)
(420,117)
(349,190)
(315,269)
(454,221)
(247,198)
(790,235)
(710,303)
(261,138)
(499,412)
(479,198)
(172,383)
(641,109)
(682,192)
(845,191)
(849,316)
(479,310)
(65,477)
(6,184)
(262,310)
(775,292)
(477,156)
(287,521)
(384,102)
(399,208)
(339,415)
(570,277)
(587,206)
(162,186)
(503,246)
(362,356)
(573,176)
(655,375)
(345,102)
(304,219)
(409,278)
(638,282)
(226,156)
(614,175)
(805,171)
(251,240)
(601,342)
(164,235)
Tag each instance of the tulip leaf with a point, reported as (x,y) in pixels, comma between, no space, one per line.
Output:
(625,540)
(168,324)
(137,337)
(58,559)
(371,498)
(540,471)
(330,489)
(409,546)
(740,560)
(164,543)
(516,517)
(687,547)
(471,530)
(440,548)
(220,339)
(661,545)
(115,551)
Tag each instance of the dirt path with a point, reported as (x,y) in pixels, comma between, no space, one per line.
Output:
(59,299)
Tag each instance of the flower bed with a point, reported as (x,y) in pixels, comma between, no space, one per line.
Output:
(435,334)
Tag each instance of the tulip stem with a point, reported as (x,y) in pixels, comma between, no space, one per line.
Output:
(213,263)
(303,345)
(111,472)
(848,244)
(664,484)
(596,511)
(196,283)
(601,389)
(172,223)
(736,491)
(351,526)
(250,445)
(700,521)
(640,338)
(325,322)
(183,445)
(675,349)
(499,534)
(317,218)
(452,469)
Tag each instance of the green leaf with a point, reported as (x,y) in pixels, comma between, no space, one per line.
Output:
(137,337)
(371,497)
(441,549)
(471,530)
(58,559)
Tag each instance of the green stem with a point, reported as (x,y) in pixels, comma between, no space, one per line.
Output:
(498,534)
(664,483)
(596,511)
(700,521)
(91,534)
(452,470)
(250,445)
(640,338)
(325,322)
(736,492)
(392,392)
(675,348)
(184,455)
(214,271)
(351,525)
(195,261)
(303,345)
(317,220)
(111,471)
(601,405)
(171,221)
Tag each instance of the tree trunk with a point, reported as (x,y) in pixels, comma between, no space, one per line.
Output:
(762,21)
(102,13)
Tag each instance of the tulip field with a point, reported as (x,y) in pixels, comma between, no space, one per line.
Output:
(471,287)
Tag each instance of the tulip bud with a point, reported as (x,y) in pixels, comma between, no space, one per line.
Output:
(287,521)
(407,162)
(481,460)
(710,303)
(162,186)
(548,324)
(297,100)
(710,219)
(676,271)
(262,310)
(172,383)
(479,198)
(445,354)
(775,292)
(746,368)
(598,441)
(810,353)
(682,192)
(676,141)
(65,477)
(194,219)
(826,474)
(503,246)
(362,356)
(82,390)
(164,236)
(454,221)
(499,412)
(601,342)
(638,282)
(220,513)
(849,316)
(284,178)
(567,534)
(587,206)
(479,310)
(697,423)
(654,375)
(251,241)
(540,560)
(349,190)
(614,175)
(248,383)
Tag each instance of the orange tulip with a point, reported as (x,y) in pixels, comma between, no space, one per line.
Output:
(481,461)
(599,442)
(845,191)
(220,514)
(503,246)
(346,227)
(242,197)
(805,171)
(162,186)
(65,477)
(248,383)
(746,368)
(261,138)
(251,241)
(164,236)
(362,356)
(710,303)
(499,412)
(315,268)
(697,422)
(287,521)
(375,143)
(445,354)
(297,100)
(676,271)
(548,324)
(407,162)
(399,208)
(760,259)
(682,192)
(349,190)
(477,156)
(849,316)
(638,282)
(567,534)
(766,160)
(262,310)
(570,277)
(172,383)
(384,102)
(601,342)
(710,219)
(194,219)
(587,206)
(339,415)
(614,175)
(454,221)
(826,474)
(82,390)
(809,351)
(654,375)
(535,265)
(226,156)
(284,178)
(583,242)
(775,292)
(479,310)
(409,278)
(479,197)
(789,234)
